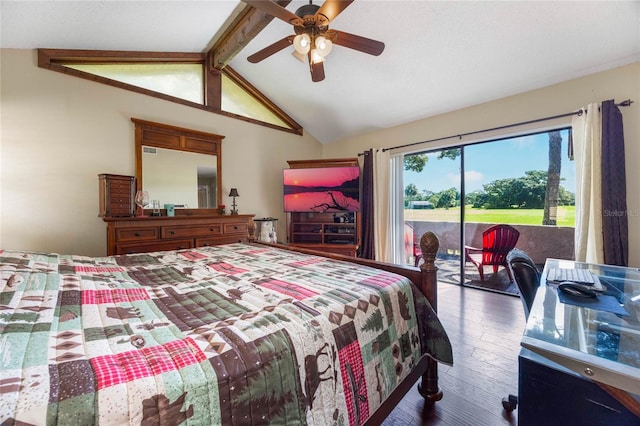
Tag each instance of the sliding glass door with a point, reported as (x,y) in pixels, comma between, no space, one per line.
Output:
(432,200)
(526,186)
(525,182)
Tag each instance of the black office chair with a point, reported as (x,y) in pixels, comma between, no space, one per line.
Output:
(527,278)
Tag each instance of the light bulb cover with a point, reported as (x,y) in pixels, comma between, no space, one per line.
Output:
(299,56)
(316,57)
(323,45)
(302,43)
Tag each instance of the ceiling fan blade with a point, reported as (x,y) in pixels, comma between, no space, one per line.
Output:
(317,71)
(271,49)
(332,8)
(356,42)
(275,10)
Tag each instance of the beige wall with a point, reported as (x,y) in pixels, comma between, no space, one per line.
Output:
(619,84)
(59,132)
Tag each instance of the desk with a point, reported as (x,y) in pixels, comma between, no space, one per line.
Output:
(581,346)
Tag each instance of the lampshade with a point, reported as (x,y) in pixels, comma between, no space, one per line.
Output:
(316,56)
(323,46)
(302,43)
(299,56)
(233,193)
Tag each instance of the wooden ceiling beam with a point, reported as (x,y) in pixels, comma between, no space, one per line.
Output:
(244,28)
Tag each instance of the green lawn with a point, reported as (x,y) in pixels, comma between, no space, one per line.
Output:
(566,216)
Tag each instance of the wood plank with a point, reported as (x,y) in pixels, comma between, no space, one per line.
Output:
(485,330)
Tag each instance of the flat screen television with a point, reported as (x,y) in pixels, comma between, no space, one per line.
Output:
(322,189)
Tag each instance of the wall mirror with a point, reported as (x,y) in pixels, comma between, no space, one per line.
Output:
(179,166)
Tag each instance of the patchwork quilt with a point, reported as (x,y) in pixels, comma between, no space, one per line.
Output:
(237,334)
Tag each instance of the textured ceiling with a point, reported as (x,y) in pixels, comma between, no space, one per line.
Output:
(439,56)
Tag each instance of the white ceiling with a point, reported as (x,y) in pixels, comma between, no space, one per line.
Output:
(440,55)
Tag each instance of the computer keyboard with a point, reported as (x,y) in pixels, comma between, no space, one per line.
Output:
(579,276)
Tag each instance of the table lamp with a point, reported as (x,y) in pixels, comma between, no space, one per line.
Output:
(234,193)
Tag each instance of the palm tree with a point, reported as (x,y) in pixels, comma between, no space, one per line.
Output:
(553,179)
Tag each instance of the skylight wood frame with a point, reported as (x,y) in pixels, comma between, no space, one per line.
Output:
(55,60)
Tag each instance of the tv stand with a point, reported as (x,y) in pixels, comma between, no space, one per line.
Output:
(319,231)
(333,232)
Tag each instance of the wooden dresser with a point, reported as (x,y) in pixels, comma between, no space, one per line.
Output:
(127,235)
(117,194)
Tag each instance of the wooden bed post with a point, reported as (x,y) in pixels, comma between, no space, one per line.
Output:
(429,245)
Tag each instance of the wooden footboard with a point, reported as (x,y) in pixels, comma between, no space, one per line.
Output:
(426,279)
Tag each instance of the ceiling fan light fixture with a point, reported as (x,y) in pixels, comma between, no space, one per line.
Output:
(323,45)
(316,57)
(299,56)
(302,43)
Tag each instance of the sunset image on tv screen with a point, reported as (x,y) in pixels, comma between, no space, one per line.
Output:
(324,190)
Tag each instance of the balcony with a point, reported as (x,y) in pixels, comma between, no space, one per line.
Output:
(539,241)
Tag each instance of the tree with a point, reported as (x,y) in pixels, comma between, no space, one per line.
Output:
(416,162)
(451,154)
(566,198)
(552,193)
(472,197)
(445,199)
(410,192)
(524,192)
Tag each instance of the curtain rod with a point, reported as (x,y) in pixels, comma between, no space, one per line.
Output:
(522,123)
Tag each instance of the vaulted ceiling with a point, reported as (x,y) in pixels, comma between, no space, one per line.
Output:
(439,56)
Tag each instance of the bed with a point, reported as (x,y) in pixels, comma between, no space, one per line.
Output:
(235,334)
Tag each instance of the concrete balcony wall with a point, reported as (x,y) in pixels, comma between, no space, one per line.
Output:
(538,241)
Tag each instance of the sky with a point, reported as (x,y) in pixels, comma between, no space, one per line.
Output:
(334,176)
(489,161)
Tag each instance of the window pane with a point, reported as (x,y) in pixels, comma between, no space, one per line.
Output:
(526,182)
(237,101)
(180,80)
(432,203)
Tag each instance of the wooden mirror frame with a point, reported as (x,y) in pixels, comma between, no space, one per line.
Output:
(160,135)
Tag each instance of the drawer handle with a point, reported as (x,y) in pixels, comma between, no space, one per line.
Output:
(173,233)
(206,244)
(137,234)
(180,247)
(212,229)
(235,227)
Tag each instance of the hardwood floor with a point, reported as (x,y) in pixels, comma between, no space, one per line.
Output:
(485,330)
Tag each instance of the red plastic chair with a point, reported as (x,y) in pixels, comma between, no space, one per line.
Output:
(497,241)
(411,246)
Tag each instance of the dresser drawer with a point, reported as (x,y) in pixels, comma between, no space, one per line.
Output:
(150,233)
(191,231)
(120,209)
(208,242)
(120,197)
(236,228)
(119,186)
(153,246)
(120,203)
(136,234)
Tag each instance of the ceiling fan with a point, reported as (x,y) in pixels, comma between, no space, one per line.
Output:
(313,40)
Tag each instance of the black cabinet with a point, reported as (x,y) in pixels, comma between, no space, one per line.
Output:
(549,394)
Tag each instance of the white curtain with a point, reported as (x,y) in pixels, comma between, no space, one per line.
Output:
(381,201)
(396,210)
(587,148)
